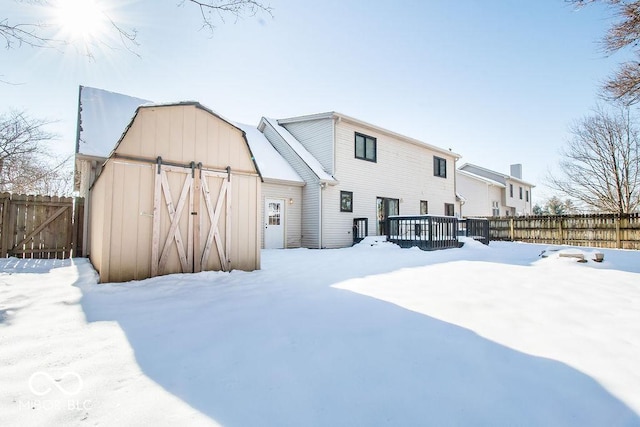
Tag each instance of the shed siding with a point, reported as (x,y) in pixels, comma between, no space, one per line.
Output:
(184,134)
(403,171)
(317,138)
(100,221)
(293,211)
(310,192)
(244,227)
(131,221)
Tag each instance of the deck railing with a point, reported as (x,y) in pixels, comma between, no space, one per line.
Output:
(427,232)
(476,228)
(431,232)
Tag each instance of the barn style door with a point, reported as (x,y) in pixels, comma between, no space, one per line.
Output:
(190,207)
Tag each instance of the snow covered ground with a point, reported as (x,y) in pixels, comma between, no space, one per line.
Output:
(369,335)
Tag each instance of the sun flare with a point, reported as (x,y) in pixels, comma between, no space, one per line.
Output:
(81,19)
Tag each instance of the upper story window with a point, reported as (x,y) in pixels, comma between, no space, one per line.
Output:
(520,193)
(527,194)
(439,167)
(365,147)
(510,190)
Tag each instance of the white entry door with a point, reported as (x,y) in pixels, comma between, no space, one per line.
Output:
(273,224)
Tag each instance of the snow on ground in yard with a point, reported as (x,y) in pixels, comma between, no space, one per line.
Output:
(369,335)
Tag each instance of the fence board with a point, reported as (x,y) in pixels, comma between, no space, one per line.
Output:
(597,230)
(40,226)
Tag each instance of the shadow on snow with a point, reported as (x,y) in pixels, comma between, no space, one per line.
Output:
(267,354)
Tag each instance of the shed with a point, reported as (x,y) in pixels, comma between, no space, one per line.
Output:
(179,193)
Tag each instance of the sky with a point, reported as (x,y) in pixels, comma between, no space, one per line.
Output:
(499,82)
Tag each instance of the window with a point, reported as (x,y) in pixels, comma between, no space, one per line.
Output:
(495,208)
(346,201)
(424,207)
(365,147)
(520,193)
(527,195)
(439,167)
(448,209)
(510,190)
(274,213)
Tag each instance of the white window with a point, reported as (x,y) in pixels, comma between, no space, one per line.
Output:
(495,208)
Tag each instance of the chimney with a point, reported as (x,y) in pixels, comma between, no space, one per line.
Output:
(516,171)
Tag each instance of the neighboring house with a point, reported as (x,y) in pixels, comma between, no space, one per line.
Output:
(359,173)
(490,193)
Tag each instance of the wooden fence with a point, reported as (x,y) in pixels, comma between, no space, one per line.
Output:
(601,231)
(40,226)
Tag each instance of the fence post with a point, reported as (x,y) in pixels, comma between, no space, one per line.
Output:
(618,238)
(560,231)
(4,233)
(511,229)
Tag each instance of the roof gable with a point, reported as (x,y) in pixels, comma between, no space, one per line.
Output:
(271,164)
(307,158)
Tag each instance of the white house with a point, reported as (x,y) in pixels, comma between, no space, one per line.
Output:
(490,193)
(323,175)
(358,174)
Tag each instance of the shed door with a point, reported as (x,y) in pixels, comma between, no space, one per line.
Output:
(191,221)
(274,224)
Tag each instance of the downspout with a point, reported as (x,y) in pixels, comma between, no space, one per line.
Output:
(322,184)
(455,183)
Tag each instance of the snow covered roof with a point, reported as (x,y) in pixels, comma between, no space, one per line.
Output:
(481,178)
(271,164)
(302,152)
(497,175)
(102,117)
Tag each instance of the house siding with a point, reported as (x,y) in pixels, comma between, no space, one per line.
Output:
(317,137)
(520,206)
(508,205)
(293,211)
(402,171)
(310,209)
(479,196)
(476,194)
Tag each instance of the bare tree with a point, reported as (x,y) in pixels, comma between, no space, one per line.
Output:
(624,33)
(25,164)
(38,34)
(601,164)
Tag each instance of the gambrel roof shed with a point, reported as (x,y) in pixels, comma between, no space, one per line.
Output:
(180,192)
